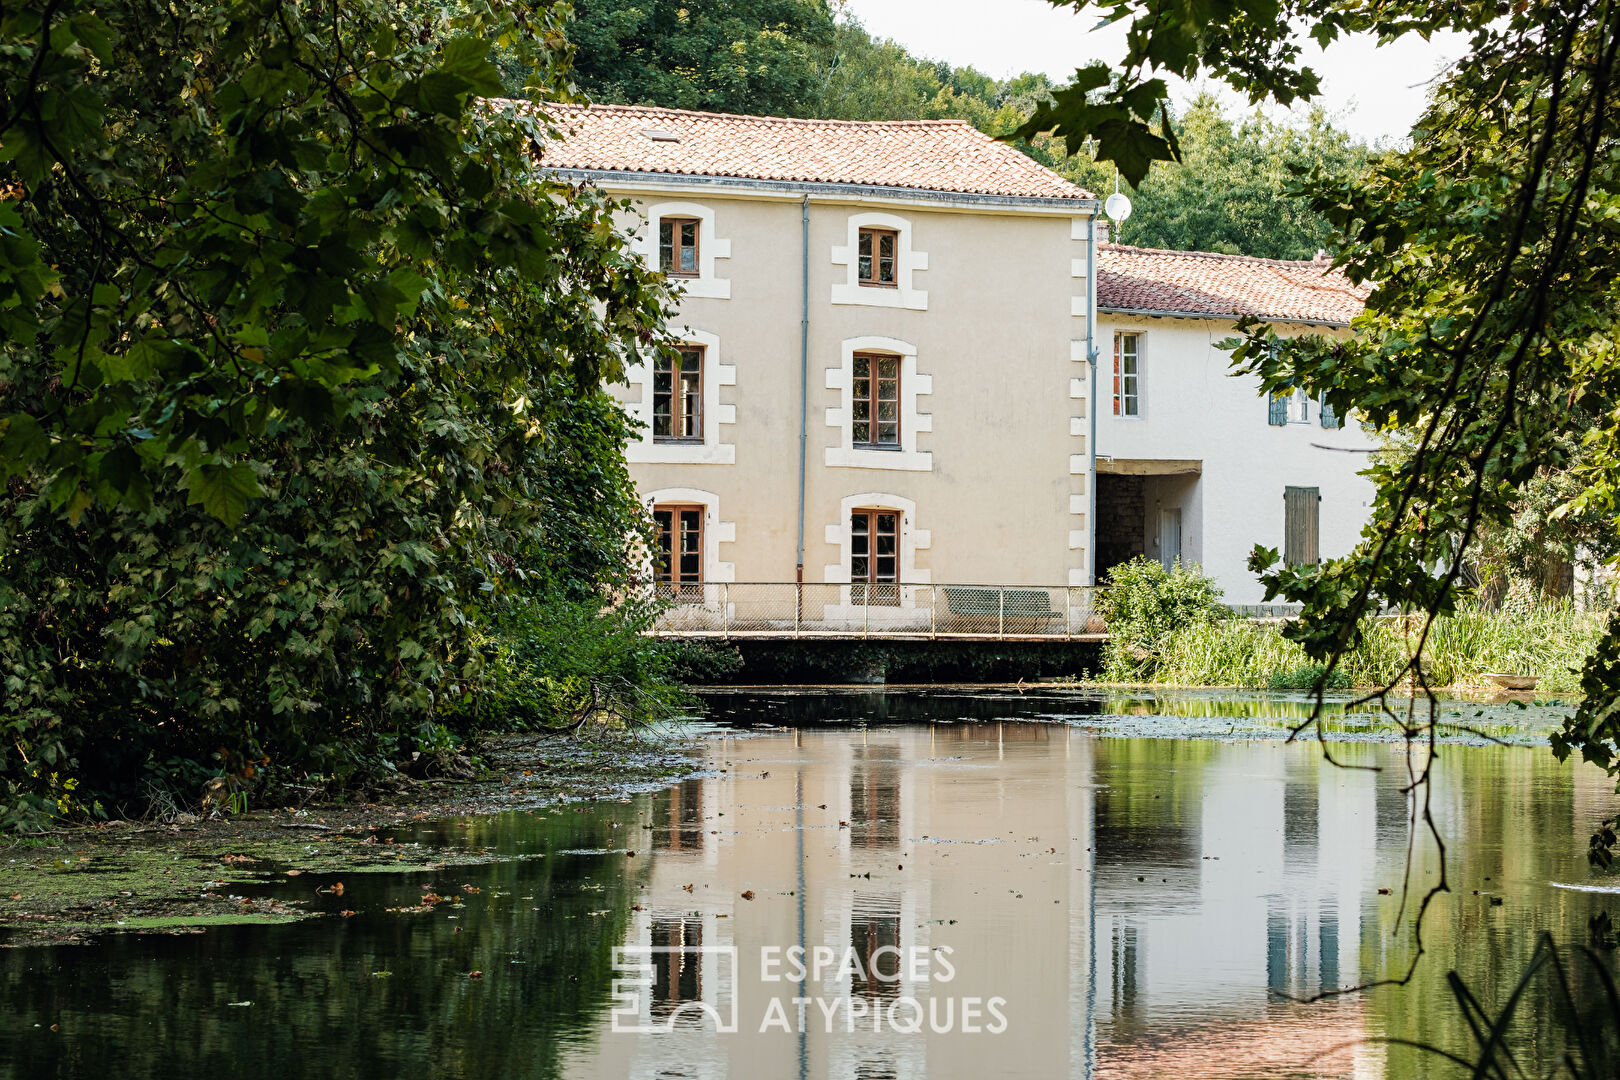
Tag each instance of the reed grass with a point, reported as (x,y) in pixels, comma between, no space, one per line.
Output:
(1550,642)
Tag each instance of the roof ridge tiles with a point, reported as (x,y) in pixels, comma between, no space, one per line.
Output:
(1213,255)
(701,114)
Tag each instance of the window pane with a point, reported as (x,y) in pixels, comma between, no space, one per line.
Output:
(689,260)
(865,244)
(863,367)
(858,526)
(859,568)
(886,246)
(862,432)
(863,388)
(888,410)
(889,434)
(666,245)
(689,234)
(866,268)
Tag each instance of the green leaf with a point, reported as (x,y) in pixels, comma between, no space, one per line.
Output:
(223,490)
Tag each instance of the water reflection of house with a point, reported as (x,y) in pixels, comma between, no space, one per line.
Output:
(1017,846)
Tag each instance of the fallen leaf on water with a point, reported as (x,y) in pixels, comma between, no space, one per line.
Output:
(471,889)
(18,895)
(475,974)
(1383,892)
(748,894)
(237,1004)
(821,806)
(294,873)
(345,913)
(337,889)
(684,888)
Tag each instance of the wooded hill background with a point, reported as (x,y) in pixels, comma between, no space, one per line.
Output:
(811,58)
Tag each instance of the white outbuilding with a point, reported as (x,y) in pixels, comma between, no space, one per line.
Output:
(1196,463)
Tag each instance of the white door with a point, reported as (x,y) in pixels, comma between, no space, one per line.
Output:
(1169,537)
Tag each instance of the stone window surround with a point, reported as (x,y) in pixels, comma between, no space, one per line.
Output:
(710,248)
(906,261)
(643,450)
(912,422)
(912,540)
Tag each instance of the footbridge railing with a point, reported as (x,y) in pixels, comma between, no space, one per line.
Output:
(879,610)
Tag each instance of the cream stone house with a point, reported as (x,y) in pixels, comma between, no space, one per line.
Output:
(1196,463)
(882,376)
(879,418)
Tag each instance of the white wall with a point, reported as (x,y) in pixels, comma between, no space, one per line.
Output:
(1192,408)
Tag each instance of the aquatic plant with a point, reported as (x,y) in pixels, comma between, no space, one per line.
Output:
(1549,641)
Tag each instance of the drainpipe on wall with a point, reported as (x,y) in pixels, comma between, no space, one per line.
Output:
(804,365)
(1091,398)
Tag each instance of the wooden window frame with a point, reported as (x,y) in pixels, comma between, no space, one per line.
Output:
(1127,384)
(865,410)
(676,246)
(872,238)
(1297,398)
(870,589)
(667,574)
(690,399)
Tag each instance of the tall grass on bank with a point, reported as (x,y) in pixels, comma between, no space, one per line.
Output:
(1550,642)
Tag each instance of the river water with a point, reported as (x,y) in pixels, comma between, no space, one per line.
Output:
(904,885)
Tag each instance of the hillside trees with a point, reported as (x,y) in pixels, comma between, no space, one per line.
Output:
(300,375)
(736,56)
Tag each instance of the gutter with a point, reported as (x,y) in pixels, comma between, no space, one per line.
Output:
(804,365)
(847,192)
(1228,317)
(1091,398)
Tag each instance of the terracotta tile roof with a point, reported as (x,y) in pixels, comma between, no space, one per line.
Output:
(1204,283)
(928,155)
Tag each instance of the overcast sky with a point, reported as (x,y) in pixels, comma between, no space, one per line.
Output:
(1375,93)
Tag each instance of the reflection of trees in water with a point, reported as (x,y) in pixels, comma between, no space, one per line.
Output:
(1509,815)
(541,930)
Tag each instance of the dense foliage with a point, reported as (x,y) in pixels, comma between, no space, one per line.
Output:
(1143,604)
(736,56)
(300,378)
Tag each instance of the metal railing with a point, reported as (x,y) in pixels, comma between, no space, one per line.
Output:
(879,610)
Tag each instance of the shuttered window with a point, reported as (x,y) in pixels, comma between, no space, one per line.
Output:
(1290,407)
(1330,419)
(1302,514)
(1127,374)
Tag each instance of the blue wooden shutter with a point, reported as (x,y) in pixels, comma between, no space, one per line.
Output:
(1330,419)
(1279,409)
